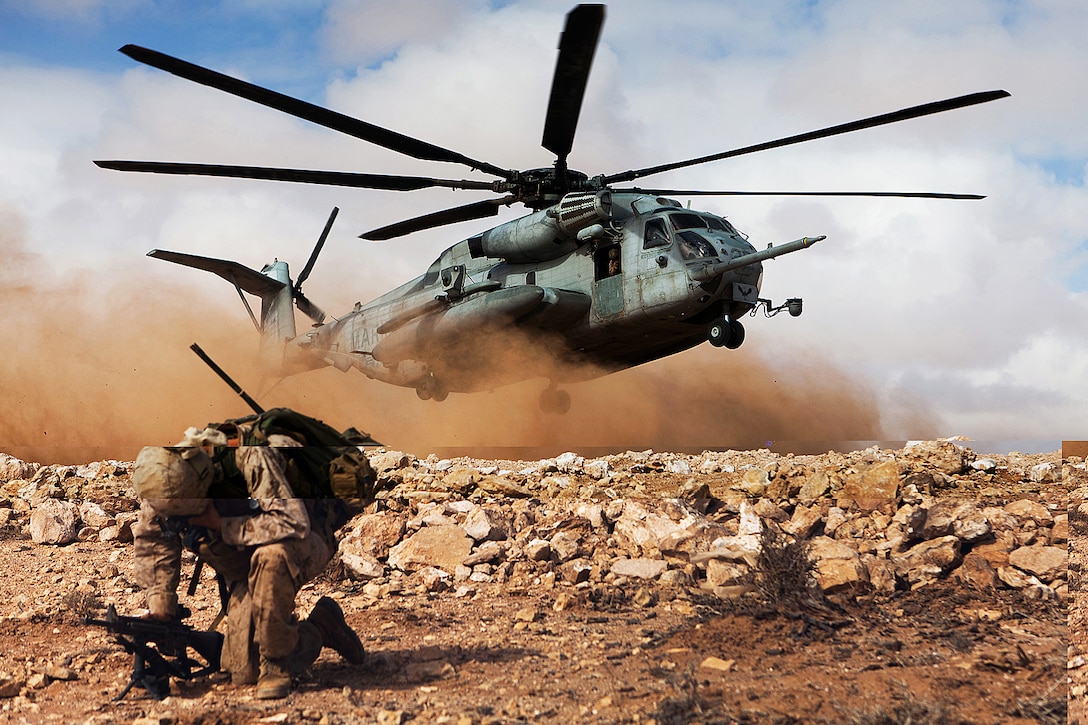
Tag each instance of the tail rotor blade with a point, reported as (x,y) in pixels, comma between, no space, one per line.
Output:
(317,250)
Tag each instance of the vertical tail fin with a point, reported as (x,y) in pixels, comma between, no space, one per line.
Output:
(272,284)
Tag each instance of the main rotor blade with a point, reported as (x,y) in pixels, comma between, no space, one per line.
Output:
(476,210)
(307,111)
(577,45)
(317,250)
(302,176)
(886,118)
(701,192)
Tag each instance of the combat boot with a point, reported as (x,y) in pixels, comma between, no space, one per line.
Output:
(335,632)
(274,682)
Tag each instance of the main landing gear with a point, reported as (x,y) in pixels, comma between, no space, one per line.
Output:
(727,333)
(554,401)
(431,388)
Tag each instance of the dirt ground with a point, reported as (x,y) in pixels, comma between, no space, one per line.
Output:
(543,650)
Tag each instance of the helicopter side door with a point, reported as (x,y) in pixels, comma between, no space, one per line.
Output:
(662,279)
(608,280)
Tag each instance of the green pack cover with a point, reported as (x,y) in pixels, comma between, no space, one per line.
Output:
(329,464)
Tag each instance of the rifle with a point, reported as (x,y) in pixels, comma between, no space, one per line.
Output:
(153,666)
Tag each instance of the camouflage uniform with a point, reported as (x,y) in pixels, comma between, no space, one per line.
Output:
(265,556)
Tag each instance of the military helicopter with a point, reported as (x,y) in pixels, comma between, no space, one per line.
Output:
(596,273)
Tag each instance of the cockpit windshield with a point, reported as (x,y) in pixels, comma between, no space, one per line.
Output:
(694,246)
(689,220)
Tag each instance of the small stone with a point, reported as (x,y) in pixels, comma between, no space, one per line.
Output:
(526,614)
(716,663)
(575,571)
(11,686)
(640,568)
(643,597)
(392,717)
(564,546)
(538,550)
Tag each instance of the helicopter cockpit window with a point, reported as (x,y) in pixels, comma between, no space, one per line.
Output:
(655,235)
(694,246)
(687,221)
(718,225)
(431,277)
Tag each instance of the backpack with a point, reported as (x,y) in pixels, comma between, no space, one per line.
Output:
(330,464)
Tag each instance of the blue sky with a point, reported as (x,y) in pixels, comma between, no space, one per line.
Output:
(970,311)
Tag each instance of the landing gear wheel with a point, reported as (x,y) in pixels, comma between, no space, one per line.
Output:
(555,401)
(736,335)
(430,388)
(719,332)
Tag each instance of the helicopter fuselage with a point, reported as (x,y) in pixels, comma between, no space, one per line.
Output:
(613,286)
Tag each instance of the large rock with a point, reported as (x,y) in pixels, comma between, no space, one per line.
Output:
(649,530)
(943,456)
(54,522)
(977,572)
(94,515)
(722,572)
(485,524)
(816,485)
(444,547)
(503,486)
(804,521)
(360,566)
(874,486)
(1045,562)
(12,469)
(462,480)
(838,567)
(928,560)
(390,461)
(1028,509)
(961,519)
(372,535)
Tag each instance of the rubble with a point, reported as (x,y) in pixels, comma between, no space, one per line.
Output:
(662,533)
(868,528)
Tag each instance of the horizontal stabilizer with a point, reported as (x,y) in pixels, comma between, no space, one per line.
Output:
(243,277)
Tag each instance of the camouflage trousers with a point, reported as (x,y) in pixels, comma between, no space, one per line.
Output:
(261,621)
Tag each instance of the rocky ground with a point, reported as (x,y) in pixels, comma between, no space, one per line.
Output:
(922,585)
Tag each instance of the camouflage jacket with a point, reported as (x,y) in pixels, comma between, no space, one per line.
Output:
(273,514)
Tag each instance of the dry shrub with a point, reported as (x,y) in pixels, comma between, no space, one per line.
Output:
(784,569)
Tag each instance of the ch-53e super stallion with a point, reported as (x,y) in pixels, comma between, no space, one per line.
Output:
(611,276)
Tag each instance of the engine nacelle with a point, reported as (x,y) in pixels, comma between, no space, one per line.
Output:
(546,234)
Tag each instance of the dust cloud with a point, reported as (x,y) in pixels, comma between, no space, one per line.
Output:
(96,367)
